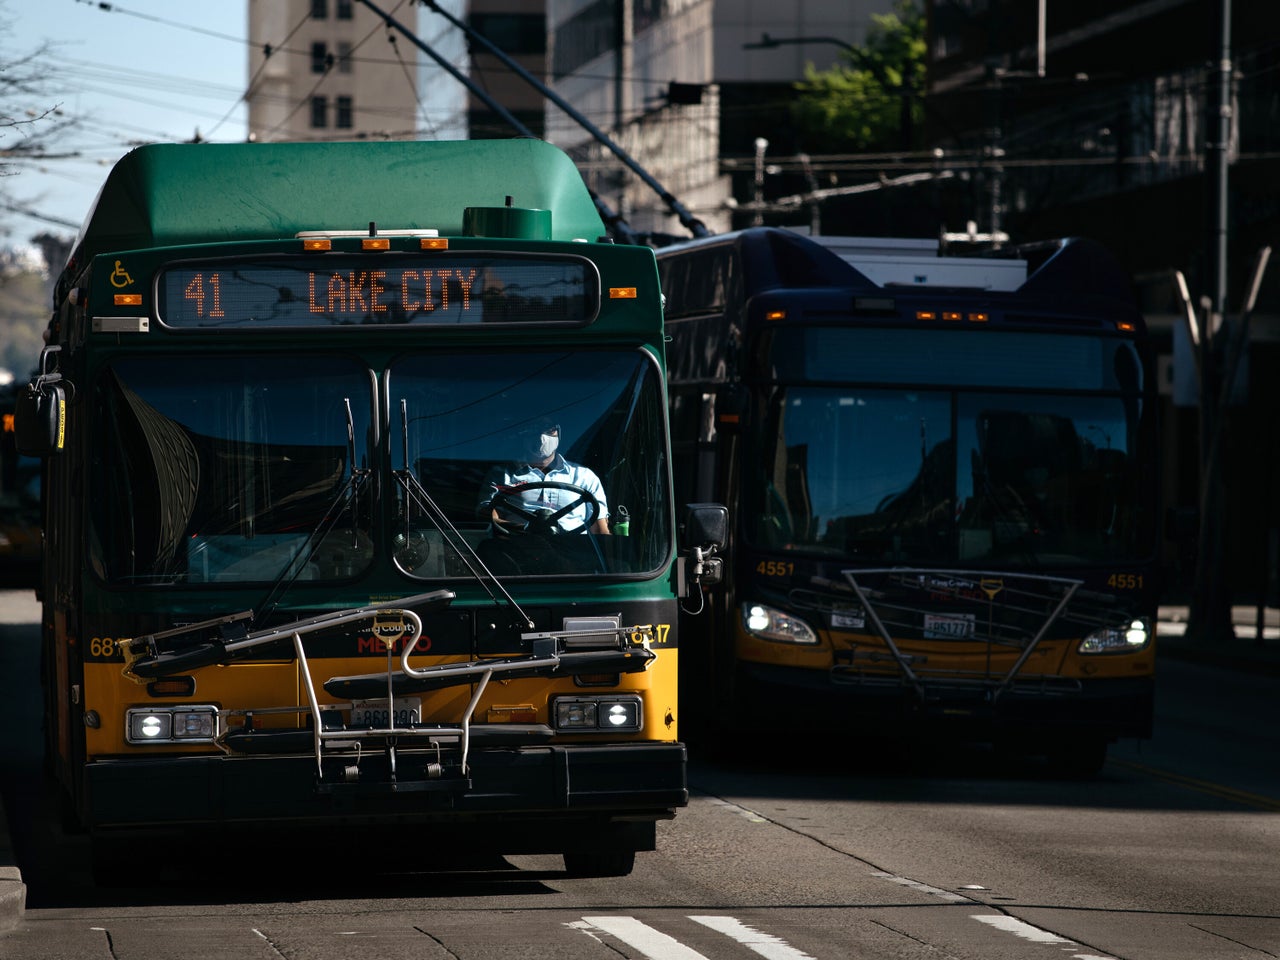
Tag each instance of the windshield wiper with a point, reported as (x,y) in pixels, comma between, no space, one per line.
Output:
(415,491)
(346,498)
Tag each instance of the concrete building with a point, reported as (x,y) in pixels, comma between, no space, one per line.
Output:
(676,85)
(519,29)
(332,70)
(1108,120)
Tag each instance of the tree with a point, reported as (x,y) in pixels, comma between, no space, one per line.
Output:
(873,101)
(24,314)
(30,120)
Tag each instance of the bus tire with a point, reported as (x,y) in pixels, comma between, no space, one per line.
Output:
(1078,759)
(112,862)
(602,863)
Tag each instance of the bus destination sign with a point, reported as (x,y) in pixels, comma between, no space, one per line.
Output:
(352,291)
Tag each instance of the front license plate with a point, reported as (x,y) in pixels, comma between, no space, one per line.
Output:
(957,626)
(377,713)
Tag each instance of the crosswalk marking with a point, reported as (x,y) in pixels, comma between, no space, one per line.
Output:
(765,944)
(656,945)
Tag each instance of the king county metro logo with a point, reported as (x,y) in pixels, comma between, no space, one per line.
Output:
(390,631)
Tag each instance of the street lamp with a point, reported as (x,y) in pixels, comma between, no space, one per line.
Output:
(768,43)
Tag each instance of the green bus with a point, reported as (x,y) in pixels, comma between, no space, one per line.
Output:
(358,505)
(942,475)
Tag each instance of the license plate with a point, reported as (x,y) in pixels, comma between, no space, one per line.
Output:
(957,626)
(376,713)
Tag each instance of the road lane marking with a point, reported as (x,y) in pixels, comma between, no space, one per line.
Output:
(740,811)
(1020,928)
(654,944)
(765,944)
(1257,801)
(1027,931)
(925,888)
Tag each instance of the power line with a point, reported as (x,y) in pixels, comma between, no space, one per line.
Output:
(37,215)
(116,8)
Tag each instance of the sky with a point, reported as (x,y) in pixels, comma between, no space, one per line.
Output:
(141,71)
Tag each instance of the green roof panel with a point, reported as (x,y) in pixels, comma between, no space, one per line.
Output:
(171,194)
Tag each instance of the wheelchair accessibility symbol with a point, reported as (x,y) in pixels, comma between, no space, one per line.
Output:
(120,276)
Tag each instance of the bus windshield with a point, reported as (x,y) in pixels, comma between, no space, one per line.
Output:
(220,468)
(460,421)
(224,470)
(1013,477)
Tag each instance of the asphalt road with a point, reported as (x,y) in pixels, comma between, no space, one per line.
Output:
(860,849)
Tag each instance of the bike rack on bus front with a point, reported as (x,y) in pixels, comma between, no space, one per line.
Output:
(594,647)
(958,588)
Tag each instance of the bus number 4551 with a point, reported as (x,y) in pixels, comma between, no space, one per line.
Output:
(1125,581)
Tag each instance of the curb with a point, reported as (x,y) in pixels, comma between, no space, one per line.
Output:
(1243,652)
(13,892)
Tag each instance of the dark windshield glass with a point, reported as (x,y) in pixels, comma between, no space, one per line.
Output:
(229,470)
(972,357)
(930,477)
(572,443)
(217,470)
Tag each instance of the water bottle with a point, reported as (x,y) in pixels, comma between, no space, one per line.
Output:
(622,525)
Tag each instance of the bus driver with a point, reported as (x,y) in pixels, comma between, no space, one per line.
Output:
(542,491)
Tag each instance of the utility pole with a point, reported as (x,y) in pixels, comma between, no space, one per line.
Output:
(1209,620)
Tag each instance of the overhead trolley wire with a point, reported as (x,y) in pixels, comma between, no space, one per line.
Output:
(267,50)
(413,85)
(608,215)
(687,219)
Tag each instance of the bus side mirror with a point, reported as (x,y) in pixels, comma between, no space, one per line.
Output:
(40,421)
(706,530)
(706,525)
(40,413)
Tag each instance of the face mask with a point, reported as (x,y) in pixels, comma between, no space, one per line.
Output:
(548,447)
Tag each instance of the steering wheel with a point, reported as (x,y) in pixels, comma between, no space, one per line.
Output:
(508,500)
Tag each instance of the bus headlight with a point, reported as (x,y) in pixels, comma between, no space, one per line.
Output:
(769,623)
(182,724)
(1127,639)
(599,714)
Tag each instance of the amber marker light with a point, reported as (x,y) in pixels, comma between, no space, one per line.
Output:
(622,293)
(1125,326)
(775,314)
(433,243)
(979,317)
(926,315)
(172,687)
(950,315)
(512,713)
(128,299)
(314,244)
